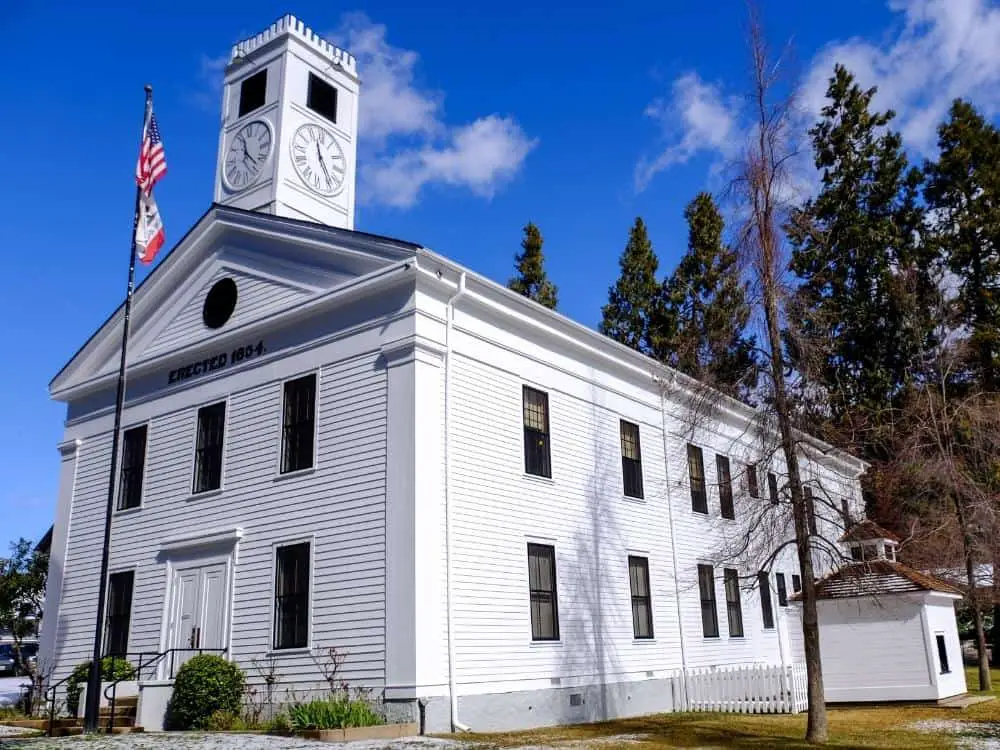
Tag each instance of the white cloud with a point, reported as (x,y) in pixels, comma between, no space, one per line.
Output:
(935,51)
(208,95)
(697,118)
(405,142)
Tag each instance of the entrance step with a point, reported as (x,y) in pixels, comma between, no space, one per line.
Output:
(965,700)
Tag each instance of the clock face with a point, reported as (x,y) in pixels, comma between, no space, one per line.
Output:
(319,160)
(248,151)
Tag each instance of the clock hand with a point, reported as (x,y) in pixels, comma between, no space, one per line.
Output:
(322,163)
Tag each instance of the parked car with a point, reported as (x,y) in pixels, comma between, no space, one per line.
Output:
(8,661)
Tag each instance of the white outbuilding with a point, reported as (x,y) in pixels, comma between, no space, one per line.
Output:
(887,632)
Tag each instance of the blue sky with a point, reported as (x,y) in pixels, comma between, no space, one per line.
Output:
(474,120)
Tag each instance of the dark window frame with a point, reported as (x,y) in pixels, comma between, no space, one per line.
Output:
(539,596)
(298,424)
(537,441)
(772,488)
(709,609)
(317,99)
(132,474)
(209,449)
(766,605)
(810,501)
(796,583)
(753,481)
(734,603)
(942,649)
(252,96)
(698,484)
(781,586)
(631,465)
(638,580)
(724,477)
(292,626)
(118,612)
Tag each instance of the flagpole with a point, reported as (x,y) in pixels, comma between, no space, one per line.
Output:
(92,711)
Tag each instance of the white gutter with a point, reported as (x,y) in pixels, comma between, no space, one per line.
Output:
(456,725)
(673,539)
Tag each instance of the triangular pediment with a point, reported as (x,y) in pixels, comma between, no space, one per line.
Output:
(278,265)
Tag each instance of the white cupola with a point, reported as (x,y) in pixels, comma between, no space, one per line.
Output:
(868,541)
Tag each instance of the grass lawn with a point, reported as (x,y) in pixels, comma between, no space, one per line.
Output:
(881,727)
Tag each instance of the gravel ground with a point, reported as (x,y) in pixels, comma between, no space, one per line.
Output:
(971,735)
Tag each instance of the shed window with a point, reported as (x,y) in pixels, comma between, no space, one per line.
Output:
(208,447)
(631,459)
(766,609)
(291,597)
(133,465)
(537,457)
(543,595)
(734,610)
(118,615)
(779,582)
(942,648)
(298,427)
(642,609)
(709,614)
(725,487)
(696,477)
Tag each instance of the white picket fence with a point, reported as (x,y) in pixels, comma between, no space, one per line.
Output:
(749,689)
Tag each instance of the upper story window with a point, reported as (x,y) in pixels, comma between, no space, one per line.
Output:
(734,608)
(537,459)
(725,487)
(779,582)
(253,93)
(807,494)
(291,596)
(766,609)
(133,467)
(751,473)
(321,98)
(298,424)
(631,459)
(642,602)
(696,477)
(542,592)
(772,488)
(706,589)
(208,447)
(118,614)
(796,583)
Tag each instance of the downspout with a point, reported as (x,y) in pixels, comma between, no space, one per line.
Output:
(673,544)
(456,725)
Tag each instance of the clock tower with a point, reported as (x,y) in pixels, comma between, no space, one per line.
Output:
(289,126)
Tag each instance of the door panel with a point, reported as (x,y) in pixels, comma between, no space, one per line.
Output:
(200,613)
(212,633)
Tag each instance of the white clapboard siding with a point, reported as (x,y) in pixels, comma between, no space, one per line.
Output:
(746,689)
(341,505)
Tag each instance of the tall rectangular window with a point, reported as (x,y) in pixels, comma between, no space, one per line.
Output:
(752,489)
(734,609)
(845,512)
(725,487)
(133,466)
(642,603)
(631,459)
(321,97)
(291,596)
(766,609)
(942,648)
(796,583)
(543,594)
(298,424)
(772,487)
(537,459)
(118,614)
(807,494)
(253,92)
(779,583)
(208,447)
(709,614)
(696,477)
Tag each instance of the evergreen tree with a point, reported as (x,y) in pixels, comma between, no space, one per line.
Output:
(531,280)
(702,311)
(858,327)
(628,314)
(963,195)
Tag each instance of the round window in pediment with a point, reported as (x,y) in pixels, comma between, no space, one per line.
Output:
(219,303)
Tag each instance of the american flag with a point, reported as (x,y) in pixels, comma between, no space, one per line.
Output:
(152,164)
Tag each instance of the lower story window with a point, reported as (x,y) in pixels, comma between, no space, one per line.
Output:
(291,596)
(118,617)
(709,614)
(734,610)
(543,595)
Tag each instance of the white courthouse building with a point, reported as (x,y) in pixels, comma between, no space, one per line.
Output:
(334,439)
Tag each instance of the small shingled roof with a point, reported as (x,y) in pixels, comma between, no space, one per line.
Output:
(876,577)
(866,531)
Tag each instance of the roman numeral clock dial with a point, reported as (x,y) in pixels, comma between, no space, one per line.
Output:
(247,153)
(319,160)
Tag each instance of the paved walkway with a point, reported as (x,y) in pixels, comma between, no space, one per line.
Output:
(193,741)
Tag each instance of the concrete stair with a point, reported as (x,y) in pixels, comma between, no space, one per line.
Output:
(124,723)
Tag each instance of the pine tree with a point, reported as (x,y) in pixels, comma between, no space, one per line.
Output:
(531,280)
(631,301)
(963,194)
(702,311)
(858,324)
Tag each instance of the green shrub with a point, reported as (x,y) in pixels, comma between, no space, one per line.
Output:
(335,712)
(226,721)
(279,724)
(204,685)
(112,668)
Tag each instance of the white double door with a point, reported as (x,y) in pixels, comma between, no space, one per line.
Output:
(199,611)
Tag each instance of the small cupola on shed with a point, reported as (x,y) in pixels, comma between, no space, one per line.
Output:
(869,541)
